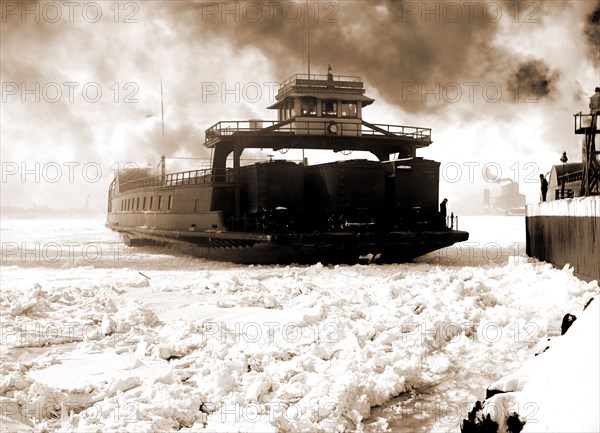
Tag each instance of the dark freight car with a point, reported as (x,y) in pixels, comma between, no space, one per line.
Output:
(415,191)
(272,191)
(345,194)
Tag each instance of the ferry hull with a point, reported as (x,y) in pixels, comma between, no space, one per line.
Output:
(280,211)
(301,248)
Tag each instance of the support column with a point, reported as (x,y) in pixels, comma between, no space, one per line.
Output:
(237,153)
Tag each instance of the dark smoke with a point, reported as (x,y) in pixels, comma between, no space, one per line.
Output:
(592,31)
(387,43)
(535,79)
(391,44)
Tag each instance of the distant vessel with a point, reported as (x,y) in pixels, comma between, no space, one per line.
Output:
(566,229)
(280,211)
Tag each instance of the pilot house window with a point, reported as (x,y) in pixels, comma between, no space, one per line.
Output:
(308,107)
(287,111)
(329,108)
(349,109)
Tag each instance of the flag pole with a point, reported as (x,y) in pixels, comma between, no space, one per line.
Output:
(163,168)
(162,111)
(307,40)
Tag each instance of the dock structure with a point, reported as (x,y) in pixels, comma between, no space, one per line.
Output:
(585,124)
(566,231)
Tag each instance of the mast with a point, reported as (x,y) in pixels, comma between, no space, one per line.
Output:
(307,40)
(304,161)
(162,113)
(163,168)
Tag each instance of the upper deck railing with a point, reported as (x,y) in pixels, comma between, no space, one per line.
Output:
(191,177)
(322,80)
(583,123)
(311,127)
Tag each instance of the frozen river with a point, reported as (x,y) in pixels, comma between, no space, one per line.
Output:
(99,336)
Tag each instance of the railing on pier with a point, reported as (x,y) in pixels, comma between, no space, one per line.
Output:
(590,182)
(312,127)
(583,123)
(191,177)
(452,222)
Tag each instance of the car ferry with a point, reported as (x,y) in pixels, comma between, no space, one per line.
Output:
(280,211)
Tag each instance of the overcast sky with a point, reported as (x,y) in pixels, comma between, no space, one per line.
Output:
(497,81)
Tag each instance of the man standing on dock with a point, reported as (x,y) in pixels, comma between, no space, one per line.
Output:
(595,102)
(595,106)
(544,186)
(443,212)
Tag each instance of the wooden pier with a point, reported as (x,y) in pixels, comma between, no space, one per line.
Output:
(566,231)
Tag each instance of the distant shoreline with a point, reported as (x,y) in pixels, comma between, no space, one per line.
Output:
(7,213)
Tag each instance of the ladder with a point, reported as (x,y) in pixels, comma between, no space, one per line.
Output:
(591,166)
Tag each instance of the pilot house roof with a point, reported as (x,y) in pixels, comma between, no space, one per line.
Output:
(323,86)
